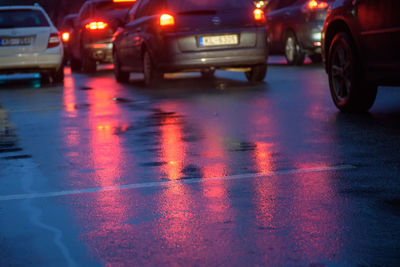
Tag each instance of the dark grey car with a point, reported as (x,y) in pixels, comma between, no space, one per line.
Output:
(295,28)
(176,35)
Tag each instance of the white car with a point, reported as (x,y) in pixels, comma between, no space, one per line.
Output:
(29,42)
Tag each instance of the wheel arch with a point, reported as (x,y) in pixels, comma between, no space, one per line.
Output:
(334,28)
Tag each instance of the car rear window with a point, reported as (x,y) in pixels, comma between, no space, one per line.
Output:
(201,5)
(22,19)
(113,10)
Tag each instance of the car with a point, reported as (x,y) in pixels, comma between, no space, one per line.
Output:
(163,36)
(29,42)
(91,39)
(360,49)
(295,28)
(66,29)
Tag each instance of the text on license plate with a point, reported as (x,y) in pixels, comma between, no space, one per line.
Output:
(219,40)
(15,41)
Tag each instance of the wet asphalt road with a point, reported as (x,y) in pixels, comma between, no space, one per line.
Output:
(197,173)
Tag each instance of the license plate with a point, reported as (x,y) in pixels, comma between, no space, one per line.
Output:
(217,40)
(15,41)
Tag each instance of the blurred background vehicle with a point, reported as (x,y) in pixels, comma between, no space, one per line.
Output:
(91,39)
(361,41)
(66,29)
(177,35)
(295,28)
(29,42)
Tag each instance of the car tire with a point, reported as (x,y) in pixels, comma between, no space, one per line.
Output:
(88,65)
(316,58)
(208,74)
(257,73)
(57,75)
(349,90)
(76,64)
(120,75)
(293,52)
(152,76)
(45,78)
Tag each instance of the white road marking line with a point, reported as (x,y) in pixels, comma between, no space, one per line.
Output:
(172,183)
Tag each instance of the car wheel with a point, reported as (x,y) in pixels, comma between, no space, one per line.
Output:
(208,74)
(45,78)
(257,73)
(293,53)
(57,75)
(349,90)
(120,75)
(316,58)
(76,64)
(152,76)
(88,65)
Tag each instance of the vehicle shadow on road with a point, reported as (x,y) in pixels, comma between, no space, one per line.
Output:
(191,85)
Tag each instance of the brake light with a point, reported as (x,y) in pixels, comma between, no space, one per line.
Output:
(314,4)
(259,15)
(167,20)
(65,36)
(96,25)
(54,40)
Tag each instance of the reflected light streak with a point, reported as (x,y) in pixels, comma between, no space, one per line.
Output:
(108,212)
(173,148)
(69,98)
(176,224)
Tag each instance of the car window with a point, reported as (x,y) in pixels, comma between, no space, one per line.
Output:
(22,19)
(132,12)
(84,13)
(195,5)
(142,9)
(280,4)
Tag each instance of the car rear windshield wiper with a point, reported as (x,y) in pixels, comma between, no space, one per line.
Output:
(199,12)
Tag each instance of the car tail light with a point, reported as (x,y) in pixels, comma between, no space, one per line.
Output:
(65,36)
(259,15)
(96,25)
(314,4)
(167,20)
(54,40)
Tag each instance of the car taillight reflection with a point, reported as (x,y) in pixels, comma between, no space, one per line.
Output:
(167,20)
(96,25)
(54,40)
(314,4)
(65,37)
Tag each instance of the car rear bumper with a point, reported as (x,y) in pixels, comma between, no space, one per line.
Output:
(216,59)
(27,62)
(100,51)
(184,53)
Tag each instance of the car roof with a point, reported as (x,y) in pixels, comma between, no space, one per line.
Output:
(99,1)
(34,7)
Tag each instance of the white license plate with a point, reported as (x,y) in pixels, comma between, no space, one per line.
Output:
(15,41)
(216,40)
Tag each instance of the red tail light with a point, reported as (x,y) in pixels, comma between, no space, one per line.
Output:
(259,15)
(167,20)
(96,25)
(65,36)
(314,4)
(54,40)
